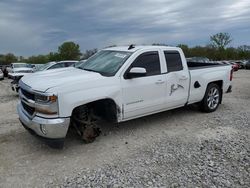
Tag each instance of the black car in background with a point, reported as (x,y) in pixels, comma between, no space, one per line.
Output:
(247,65)
(4,70)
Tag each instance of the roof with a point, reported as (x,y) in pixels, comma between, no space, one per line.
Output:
(65,61)
(19,63)
(125,48)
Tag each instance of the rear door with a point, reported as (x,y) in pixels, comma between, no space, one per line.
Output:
(177,78)
(144,95)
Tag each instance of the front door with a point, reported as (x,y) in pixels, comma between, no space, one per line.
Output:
(144,95)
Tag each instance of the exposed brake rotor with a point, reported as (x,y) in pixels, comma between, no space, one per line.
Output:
(85,125)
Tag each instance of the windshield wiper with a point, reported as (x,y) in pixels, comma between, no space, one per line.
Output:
(90,70)
(80,68)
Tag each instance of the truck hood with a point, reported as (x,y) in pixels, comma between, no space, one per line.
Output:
(44,80)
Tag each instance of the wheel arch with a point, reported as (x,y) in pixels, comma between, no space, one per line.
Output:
(107,108)
(220,84)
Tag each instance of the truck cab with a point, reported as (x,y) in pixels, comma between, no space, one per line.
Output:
(169,81)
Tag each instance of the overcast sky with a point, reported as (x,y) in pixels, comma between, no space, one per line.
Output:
(32,27)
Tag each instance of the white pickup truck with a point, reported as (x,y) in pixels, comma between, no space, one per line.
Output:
(117,84)
(20,68)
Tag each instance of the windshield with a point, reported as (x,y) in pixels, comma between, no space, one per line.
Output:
(78,64)
(106,62)
(20,65)
(45,66)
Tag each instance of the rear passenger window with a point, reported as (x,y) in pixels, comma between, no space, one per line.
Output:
(173,60)
(150,61)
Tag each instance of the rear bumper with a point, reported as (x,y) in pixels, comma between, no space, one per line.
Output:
(45,128)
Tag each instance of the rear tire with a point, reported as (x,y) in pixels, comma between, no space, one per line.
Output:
(212,98)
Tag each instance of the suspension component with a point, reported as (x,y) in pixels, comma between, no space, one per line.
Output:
(83,120)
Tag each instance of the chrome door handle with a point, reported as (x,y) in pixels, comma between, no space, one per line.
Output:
(183,77)
(159,82)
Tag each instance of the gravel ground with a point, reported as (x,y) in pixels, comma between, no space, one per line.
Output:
(178,148)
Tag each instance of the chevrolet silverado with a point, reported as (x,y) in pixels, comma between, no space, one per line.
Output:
(117,84)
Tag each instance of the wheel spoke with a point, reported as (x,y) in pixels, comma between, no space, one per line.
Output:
(213,98)
(215,91)
(216,96)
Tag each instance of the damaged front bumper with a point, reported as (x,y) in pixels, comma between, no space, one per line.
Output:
(51,129)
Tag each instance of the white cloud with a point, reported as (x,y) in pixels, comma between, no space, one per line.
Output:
(29,27)
(16,34)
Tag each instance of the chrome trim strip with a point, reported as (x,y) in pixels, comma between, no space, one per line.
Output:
(26,113)
(27,101)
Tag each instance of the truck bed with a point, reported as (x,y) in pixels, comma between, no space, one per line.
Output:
(198,65)
(204,73)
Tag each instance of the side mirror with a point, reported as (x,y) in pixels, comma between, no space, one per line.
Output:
(136,72)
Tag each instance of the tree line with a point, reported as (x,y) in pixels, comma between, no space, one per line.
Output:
(217,50)
(66,51)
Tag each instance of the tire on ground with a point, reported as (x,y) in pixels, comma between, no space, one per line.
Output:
(211,101)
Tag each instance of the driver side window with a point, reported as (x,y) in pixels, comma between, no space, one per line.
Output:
(150,61)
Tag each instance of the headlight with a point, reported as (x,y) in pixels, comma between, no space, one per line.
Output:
(45,99)
(46,111)
(46,104)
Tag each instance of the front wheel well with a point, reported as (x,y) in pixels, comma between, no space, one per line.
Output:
(105,109)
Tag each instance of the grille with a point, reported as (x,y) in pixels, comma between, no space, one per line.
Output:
(28,95)
(28,109)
